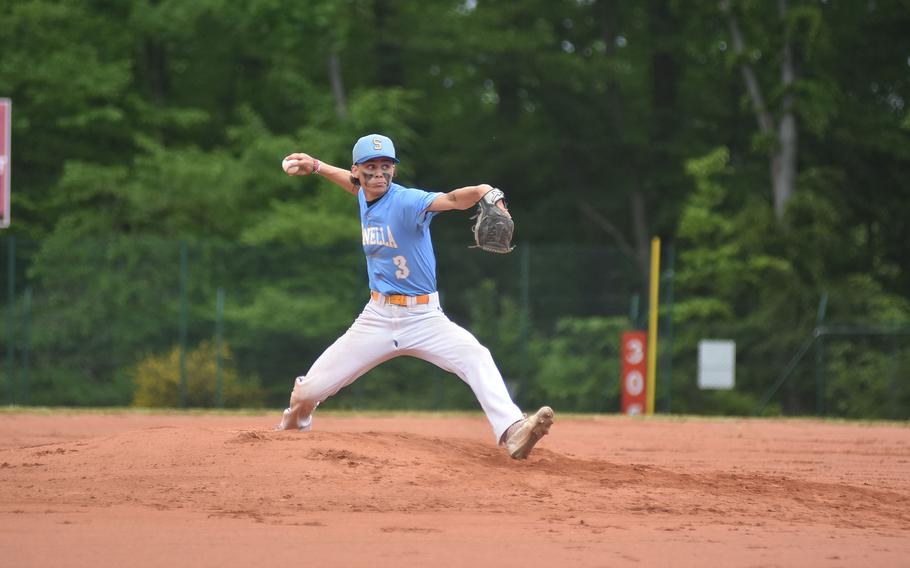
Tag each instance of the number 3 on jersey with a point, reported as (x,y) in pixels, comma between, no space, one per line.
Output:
(402,264)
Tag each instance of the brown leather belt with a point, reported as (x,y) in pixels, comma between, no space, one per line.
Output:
(398,299)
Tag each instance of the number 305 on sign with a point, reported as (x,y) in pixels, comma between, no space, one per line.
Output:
(634,371)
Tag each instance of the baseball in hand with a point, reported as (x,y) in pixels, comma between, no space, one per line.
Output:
(289,167)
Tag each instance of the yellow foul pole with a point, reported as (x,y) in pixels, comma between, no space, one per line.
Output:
(652,324)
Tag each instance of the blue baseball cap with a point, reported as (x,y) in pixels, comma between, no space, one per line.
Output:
(374,146)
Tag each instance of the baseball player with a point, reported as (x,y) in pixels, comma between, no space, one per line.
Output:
(403,315)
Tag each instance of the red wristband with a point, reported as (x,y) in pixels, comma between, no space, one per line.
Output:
(315,167)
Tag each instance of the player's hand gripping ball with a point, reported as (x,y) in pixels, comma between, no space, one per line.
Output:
(290,167)
(494,227)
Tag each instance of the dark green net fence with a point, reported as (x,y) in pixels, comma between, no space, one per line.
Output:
(162,322)
(85,320)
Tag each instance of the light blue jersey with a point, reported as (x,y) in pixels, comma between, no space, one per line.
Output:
(396,241)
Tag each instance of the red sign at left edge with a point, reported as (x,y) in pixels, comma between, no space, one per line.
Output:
(6,127)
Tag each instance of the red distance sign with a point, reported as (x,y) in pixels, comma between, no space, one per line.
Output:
(634,371)
(6,110)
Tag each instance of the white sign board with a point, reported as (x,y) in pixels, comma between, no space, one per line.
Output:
(716,364)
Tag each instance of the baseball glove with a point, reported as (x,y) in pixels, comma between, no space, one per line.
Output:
(493,229)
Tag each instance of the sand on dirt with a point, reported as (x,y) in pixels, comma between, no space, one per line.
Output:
(176,489)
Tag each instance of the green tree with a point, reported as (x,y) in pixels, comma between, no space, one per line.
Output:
(157,379)
(585,113)
(740,277)
(580,364)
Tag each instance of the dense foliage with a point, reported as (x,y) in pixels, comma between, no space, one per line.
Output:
(140,125)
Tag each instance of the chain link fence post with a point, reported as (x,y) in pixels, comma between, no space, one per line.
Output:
(11,318)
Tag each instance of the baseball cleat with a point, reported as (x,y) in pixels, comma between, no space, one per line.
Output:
(532,429)
(304,425)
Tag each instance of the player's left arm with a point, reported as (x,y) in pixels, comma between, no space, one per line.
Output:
(463,198)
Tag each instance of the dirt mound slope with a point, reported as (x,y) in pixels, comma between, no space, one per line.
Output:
(632,489)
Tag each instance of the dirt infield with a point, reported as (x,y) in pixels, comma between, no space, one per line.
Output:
(128,489)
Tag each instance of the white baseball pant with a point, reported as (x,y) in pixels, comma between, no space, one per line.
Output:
(384,331)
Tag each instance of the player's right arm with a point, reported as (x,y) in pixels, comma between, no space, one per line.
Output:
(336,175)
